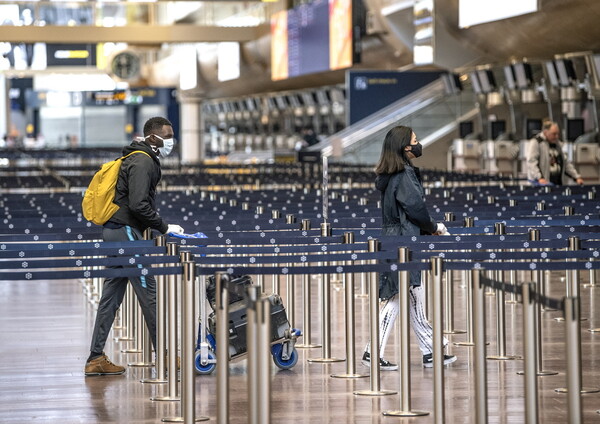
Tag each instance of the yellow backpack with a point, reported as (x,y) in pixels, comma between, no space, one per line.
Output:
(97,204)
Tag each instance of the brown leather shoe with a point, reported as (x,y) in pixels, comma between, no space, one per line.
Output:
(102,366)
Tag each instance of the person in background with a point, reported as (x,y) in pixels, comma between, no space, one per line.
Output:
(546,162)
(404,213)
(134,194)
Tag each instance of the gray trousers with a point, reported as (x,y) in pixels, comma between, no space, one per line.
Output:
(114,290)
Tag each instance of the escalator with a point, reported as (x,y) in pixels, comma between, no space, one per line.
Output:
(432,112)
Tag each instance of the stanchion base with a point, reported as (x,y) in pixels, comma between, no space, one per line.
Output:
(504,358)
(153,381)
(591,286)
(361,296)
(455,331)
(325,360)
(349,375)
(180,419)
(165,399)
(405,413)
(131,351)
(561,319)
(463,344)
(490,293)
(374,393)
(594,330)
(548,310)
(583,390)
(141,364)
(307,346)
(511,302)
(540,373)
(123,339)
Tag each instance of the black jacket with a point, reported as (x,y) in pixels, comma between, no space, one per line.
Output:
(404,213)
(136,189)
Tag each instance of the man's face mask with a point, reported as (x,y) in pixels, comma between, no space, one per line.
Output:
(168,144)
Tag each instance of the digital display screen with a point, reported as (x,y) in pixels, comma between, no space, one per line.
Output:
(313,37)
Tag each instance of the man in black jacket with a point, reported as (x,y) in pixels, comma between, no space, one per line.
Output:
(135,195)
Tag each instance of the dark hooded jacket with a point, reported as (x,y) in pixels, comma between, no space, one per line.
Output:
(404,213)
(136,189)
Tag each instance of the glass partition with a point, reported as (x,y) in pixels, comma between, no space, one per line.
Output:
(426,111)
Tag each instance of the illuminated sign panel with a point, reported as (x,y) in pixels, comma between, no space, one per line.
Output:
(473,12)
(279,46)
(314,37)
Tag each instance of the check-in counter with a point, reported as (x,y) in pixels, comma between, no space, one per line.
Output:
(586,159)
(466,155)
(506,153)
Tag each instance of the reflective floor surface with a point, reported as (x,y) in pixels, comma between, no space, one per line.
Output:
(45,329)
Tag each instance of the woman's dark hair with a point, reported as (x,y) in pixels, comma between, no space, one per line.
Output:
(393,157)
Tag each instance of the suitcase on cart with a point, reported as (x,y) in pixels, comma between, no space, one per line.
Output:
(283,337)
(238,324)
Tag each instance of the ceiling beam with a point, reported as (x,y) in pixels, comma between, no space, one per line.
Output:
(143,34)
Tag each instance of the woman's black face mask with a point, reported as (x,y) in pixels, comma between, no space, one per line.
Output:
(416,149)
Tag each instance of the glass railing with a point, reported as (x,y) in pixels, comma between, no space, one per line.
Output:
(430,111)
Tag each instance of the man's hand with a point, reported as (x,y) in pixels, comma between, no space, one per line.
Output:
(174,229)
(543,181)
(579,181)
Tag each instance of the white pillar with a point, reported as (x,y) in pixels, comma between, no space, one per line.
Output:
(192,144)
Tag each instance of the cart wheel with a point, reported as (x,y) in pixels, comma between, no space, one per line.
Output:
(284,364)
(204,369)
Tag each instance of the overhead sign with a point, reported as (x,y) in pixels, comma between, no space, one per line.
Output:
(371,91)
(71,54)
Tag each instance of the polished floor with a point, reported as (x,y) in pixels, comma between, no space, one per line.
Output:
(45,328)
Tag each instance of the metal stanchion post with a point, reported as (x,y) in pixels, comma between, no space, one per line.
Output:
(538,331)
(128,313)
(404,337)
(438,341)
(263,315)
(530,353)
(350,321)
(481,402)
(470,318)
(137,327)
(592,284)
(259,375)
(449,294)
(290,300)
(222,316)
(572,276)
(161,319)
(449,305)
(573,353)
(512,278)
(252,361)
(375,381)
(500,229)
(146,340)
(188,386)
(325,310)
(306,318)
(172,395)
(573,292)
